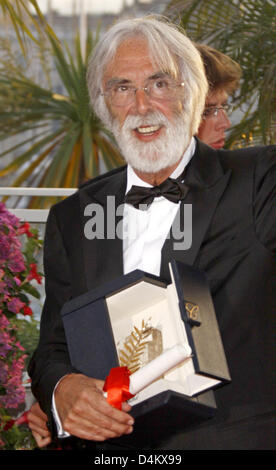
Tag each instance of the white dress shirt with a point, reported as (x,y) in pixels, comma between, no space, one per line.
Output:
(144,232)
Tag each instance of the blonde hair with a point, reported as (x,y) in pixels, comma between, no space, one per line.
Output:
(222,72)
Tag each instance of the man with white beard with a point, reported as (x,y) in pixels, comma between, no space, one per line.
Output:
(147,83)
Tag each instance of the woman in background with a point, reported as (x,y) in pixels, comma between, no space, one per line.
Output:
(223,75)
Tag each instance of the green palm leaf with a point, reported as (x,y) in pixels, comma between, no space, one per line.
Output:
(246,31)
(69,140)
(26,156)
(15,11)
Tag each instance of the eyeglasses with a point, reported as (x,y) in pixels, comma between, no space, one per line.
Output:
(212,111)
(161,88)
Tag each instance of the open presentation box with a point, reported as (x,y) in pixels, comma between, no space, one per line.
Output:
(139,316)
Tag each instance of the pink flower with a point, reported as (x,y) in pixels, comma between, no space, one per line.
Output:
(15,305)
(17,267)
(10,252)
(17,281)
(4,322)
(11,382)
(7,217)
(16,262)
(5,344)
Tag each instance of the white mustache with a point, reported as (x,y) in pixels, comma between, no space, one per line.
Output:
(152,118)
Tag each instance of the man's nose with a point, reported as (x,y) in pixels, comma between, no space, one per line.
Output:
(142,101)
(223,120)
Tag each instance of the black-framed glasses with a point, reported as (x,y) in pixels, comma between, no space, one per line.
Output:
(160,88)
(212,111)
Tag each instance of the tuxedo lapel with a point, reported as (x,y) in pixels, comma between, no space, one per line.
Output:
(103,255)
(207,183)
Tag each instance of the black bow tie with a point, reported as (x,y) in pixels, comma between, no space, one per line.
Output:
(172,189)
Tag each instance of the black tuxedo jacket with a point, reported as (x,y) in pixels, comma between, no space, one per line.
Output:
(233,197)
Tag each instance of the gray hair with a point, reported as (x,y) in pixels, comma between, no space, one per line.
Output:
(170,49)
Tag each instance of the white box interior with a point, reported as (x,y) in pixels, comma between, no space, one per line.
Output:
(159,306)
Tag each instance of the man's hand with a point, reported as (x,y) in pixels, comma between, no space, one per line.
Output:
(37,423)
(84,411)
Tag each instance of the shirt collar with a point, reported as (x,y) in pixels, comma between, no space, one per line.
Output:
(133,179)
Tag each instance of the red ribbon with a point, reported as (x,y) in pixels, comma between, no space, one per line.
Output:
(117,386)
